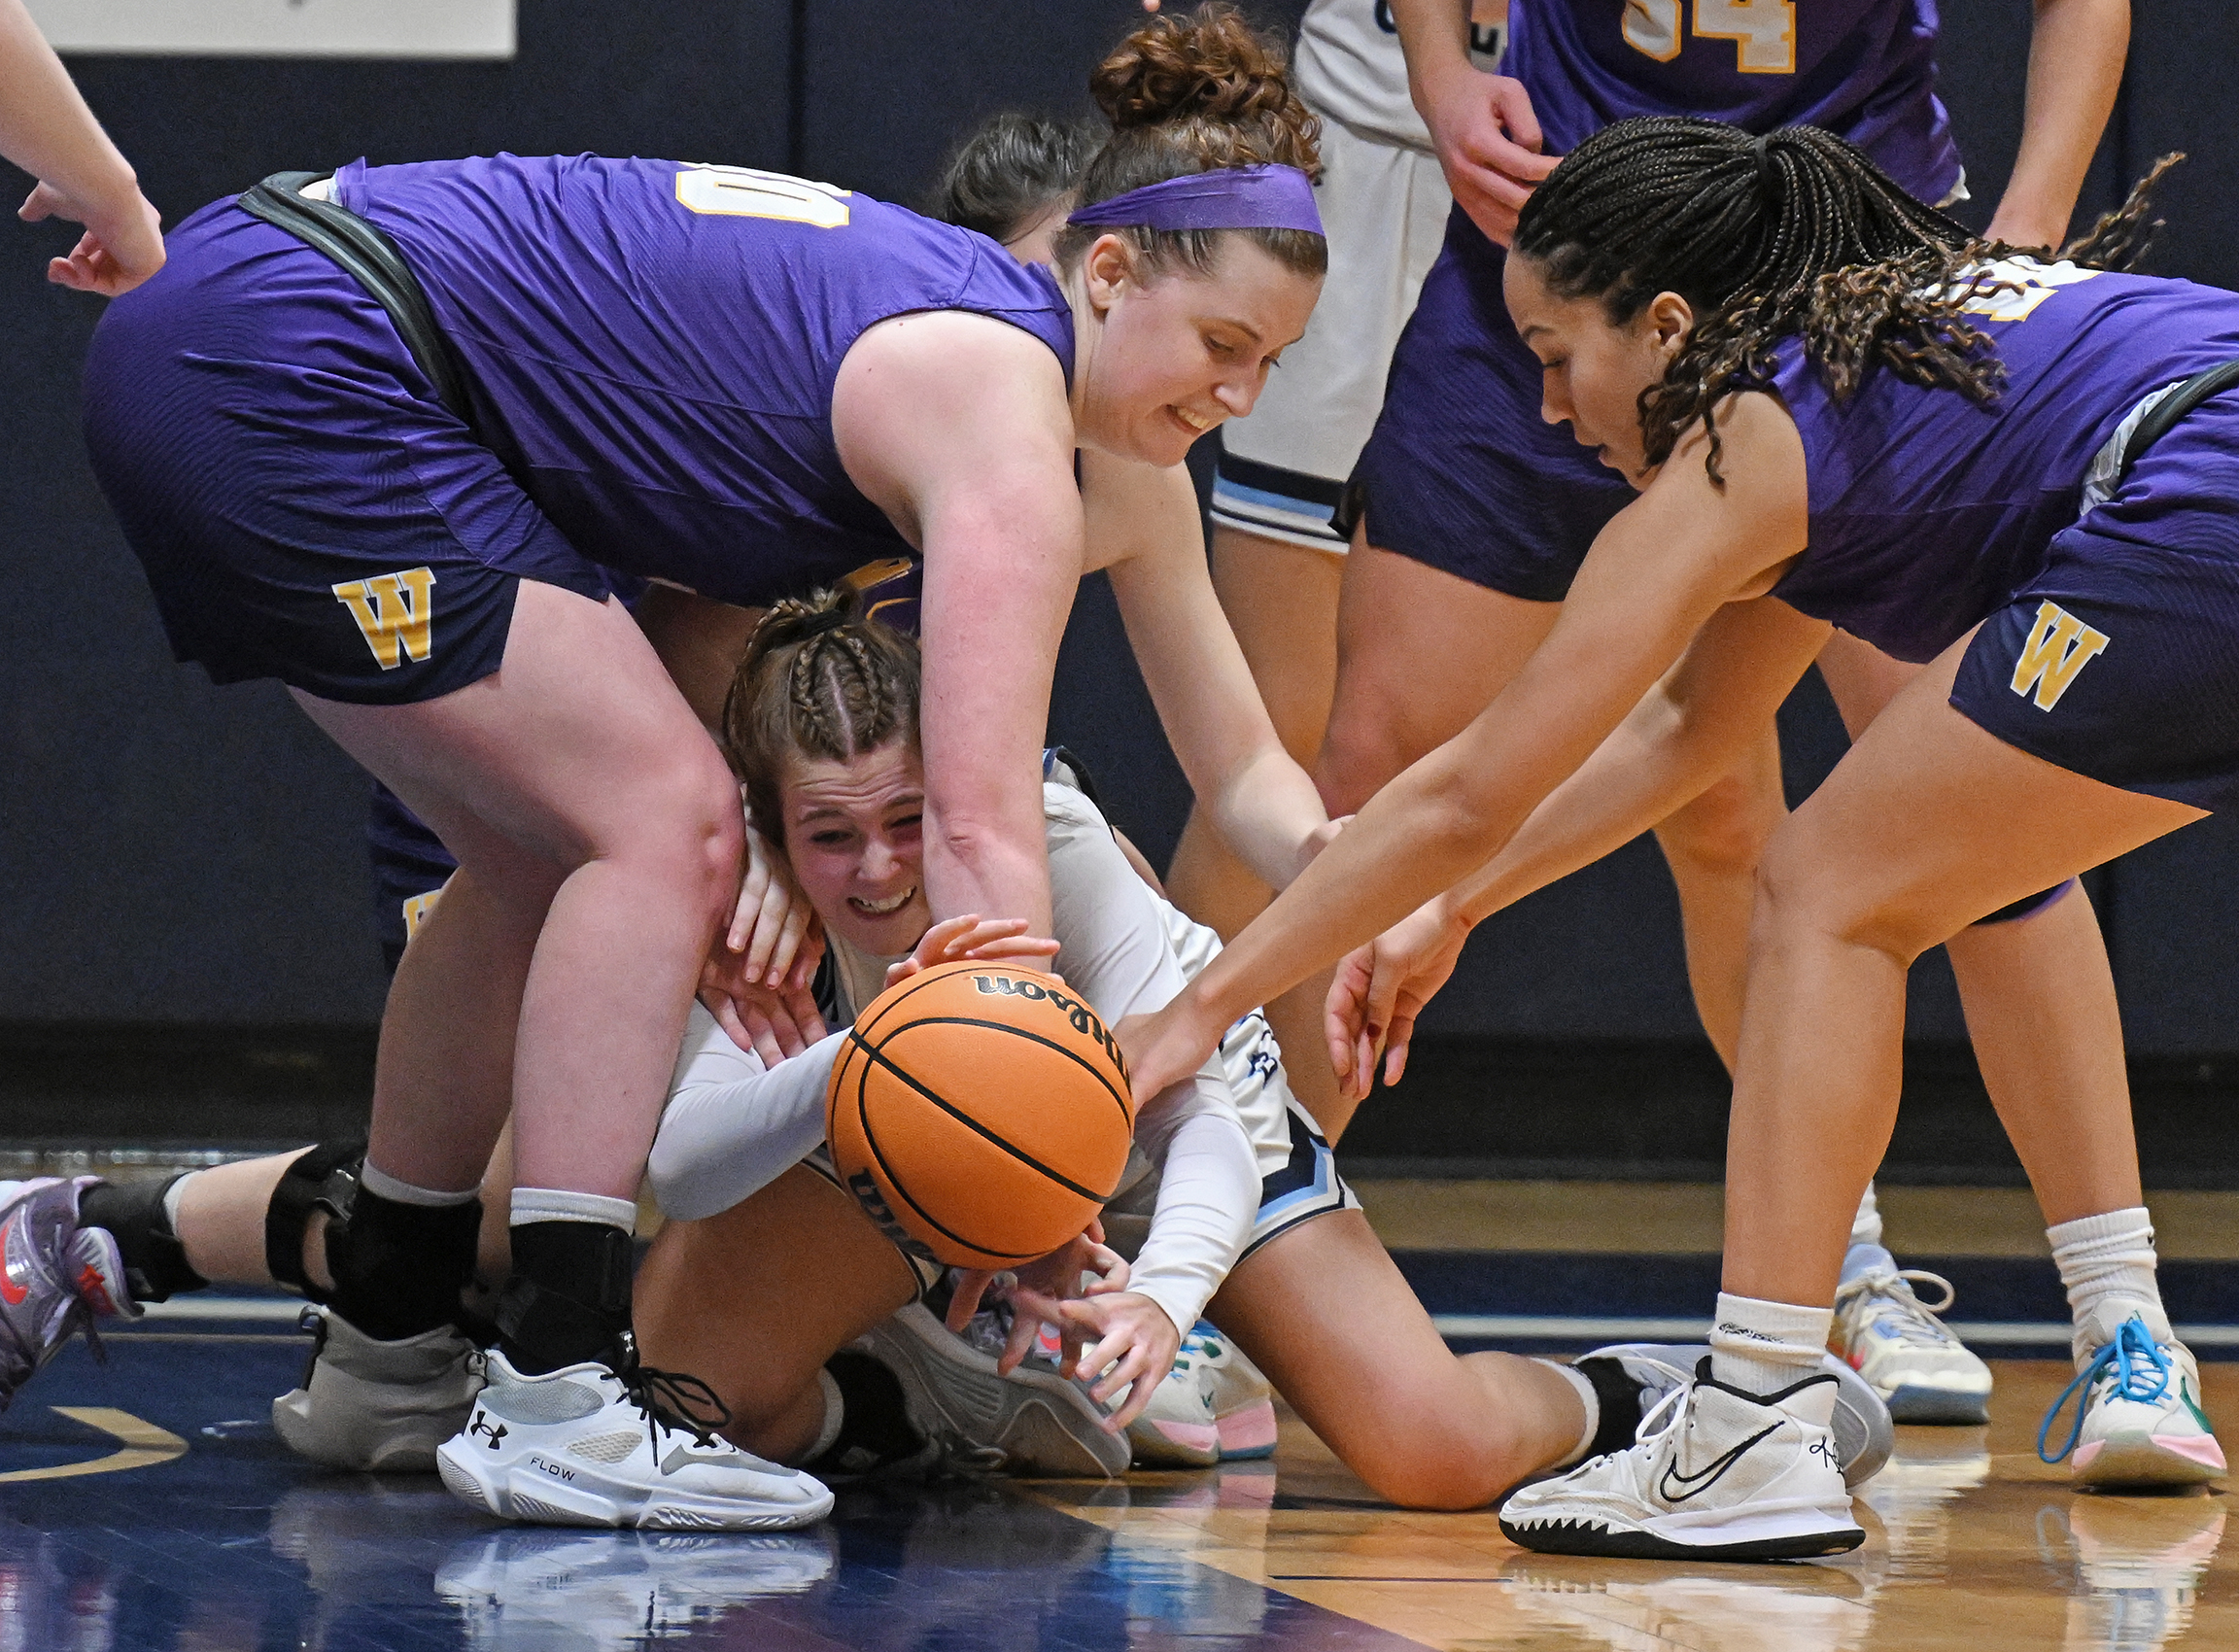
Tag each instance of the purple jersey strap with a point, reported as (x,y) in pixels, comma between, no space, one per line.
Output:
(1228,197)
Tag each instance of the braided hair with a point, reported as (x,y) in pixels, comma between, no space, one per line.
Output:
(819,679)
(1792,232)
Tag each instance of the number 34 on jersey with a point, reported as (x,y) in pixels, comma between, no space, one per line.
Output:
(1762,31)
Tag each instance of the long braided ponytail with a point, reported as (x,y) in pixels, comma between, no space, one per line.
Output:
(819,679)
(1792,232)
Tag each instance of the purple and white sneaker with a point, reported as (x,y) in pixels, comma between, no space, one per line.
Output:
(55,1277)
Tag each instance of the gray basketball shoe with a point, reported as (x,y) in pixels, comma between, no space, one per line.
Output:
(56,1278)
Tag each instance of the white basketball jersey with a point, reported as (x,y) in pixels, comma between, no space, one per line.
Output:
(1349,67)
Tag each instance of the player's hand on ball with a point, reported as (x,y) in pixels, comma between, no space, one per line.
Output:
(1165,1046)
(1377,992)
(1086,1268)
(972,938)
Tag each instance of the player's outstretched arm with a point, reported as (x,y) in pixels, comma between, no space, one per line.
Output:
(47,129)
(1661,569)
(956,426)
(1482,125)
(1143,523)
(1686,733)
(2075,53)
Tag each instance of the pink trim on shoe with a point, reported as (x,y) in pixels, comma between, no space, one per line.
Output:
(1194,1437)
(2193,1448)
(1250,1429)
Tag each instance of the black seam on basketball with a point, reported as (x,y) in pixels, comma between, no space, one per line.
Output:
(1126,1104)
(910,987)
(875,1053)
(871,1141)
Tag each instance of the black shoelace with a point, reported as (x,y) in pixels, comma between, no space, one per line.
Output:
(667,1400)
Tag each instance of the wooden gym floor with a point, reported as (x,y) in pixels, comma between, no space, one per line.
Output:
(145,1505)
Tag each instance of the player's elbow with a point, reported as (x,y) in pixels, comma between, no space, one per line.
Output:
(1465,820)
(977,841)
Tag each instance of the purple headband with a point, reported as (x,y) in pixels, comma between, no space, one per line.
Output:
(1228,197)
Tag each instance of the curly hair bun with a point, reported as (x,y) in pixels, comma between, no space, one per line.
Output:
(1212,67)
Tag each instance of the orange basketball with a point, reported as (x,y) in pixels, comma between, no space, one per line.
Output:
(980,1114)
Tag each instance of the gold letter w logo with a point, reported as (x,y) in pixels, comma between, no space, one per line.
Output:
(392,610)
(2059,646)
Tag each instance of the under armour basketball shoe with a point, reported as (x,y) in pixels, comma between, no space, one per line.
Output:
(588,1445)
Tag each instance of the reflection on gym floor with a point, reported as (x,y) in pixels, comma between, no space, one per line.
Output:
(218,1542)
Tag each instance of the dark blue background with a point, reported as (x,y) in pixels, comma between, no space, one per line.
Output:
(173,853)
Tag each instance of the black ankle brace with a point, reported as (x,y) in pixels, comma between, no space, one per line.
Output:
(398,1268)
(874,1420)
(323,1179)
(568,1298)
(156,1266)
(1619,1396)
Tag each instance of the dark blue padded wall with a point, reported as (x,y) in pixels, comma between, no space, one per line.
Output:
(173,852)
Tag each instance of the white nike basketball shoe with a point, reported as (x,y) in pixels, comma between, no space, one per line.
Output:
(1715,1473)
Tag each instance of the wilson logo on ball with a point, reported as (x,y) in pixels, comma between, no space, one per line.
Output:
(1083,1017)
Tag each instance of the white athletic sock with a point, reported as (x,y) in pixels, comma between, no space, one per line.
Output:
(1866,1225)
(172,1196)
(835,1413)
(557,1204)
(1586,1397)
(376,1181)
(2106,1263)
(1763,1347)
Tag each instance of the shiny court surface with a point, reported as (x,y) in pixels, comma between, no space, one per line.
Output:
(145,1506)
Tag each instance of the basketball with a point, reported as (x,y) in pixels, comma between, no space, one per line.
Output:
(980,1114)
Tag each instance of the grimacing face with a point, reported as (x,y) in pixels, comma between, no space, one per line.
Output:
(1164,359)
(1593,371)
(855,836)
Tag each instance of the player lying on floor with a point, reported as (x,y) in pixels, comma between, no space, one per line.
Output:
(769,1272)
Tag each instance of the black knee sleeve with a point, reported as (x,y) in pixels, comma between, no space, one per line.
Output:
(132,1213)
(398,1268)
(2029,906)
(323,1179)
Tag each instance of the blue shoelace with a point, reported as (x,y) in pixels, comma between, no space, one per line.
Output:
(2141,1374)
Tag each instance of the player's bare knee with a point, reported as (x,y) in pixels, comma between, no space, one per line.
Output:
(1805,891)
(1723,833)
(1360,751)
(692,830)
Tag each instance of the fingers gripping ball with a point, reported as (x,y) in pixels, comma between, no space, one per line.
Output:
(980,1114)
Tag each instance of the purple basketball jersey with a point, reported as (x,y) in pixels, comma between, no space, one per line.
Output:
(1862,69)
(1927,510)
(652,346)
